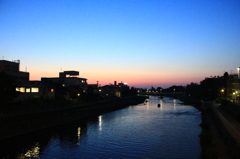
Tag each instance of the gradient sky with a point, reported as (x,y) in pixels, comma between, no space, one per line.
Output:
(142,42)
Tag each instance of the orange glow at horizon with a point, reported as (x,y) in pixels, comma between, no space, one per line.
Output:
(135,79)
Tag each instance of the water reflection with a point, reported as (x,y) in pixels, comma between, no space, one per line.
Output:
(141,131)
(100,122)
(174,102)
(79,135)
(33,152)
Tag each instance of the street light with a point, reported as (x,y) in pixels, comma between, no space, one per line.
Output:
(222,92)
(234,97)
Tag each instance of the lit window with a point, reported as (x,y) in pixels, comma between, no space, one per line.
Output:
(35,89)
(21,89)
(28,90)
(83,81)
(51,90)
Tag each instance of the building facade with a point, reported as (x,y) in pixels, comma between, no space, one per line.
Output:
(116,90)
(11,68)
(67,79)
(35,89)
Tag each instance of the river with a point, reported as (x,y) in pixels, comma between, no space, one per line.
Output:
(140,131)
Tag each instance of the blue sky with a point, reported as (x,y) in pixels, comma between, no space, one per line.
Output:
(144,43)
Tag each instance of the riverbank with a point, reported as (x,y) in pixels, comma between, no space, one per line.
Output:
(213,142)
(24,123)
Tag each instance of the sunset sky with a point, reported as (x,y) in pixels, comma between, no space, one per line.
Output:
(142,42)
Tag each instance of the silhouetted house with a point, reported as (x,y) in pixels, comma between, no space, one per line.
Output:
(234,86)
(71,84)
(75,92)
(109,91)
(35,89)
(71,80)
(93,88)
(141,90)
(123,87)
(116,90)
(234,82)
(11,68)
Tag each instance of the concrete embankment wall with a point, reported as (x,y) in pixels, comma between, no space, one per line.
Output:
(20,124)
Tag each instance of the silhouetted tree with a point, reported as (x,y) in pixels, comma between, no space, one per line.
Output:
(175,88)
(211,88)
(225,83)
(194,90)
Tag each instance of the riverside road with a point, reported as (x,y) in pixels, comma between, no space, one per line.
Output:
(231,126)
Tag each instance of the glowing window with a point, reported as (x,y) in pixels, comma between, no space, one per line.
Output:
(35,89)
(21,89)
(28,90)
(51,90)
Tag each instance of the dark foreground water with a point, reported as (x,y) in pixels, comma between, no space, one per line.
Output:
(141,131)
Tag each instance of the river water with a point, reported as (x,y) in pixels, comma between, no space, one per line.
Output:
(141,131)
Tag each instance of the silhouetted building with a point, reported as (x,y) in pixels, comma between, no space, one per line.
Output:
(68,78)
(93,88)
(116,90)
(11,68)
(35,89)
(234,85)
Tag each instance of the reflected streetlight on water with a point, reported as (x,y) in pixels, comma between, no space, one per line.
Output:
(31,153)
(100,122)
(79,135)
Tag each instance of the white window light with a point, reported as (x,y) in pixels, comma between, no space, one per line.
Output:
(35,89)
